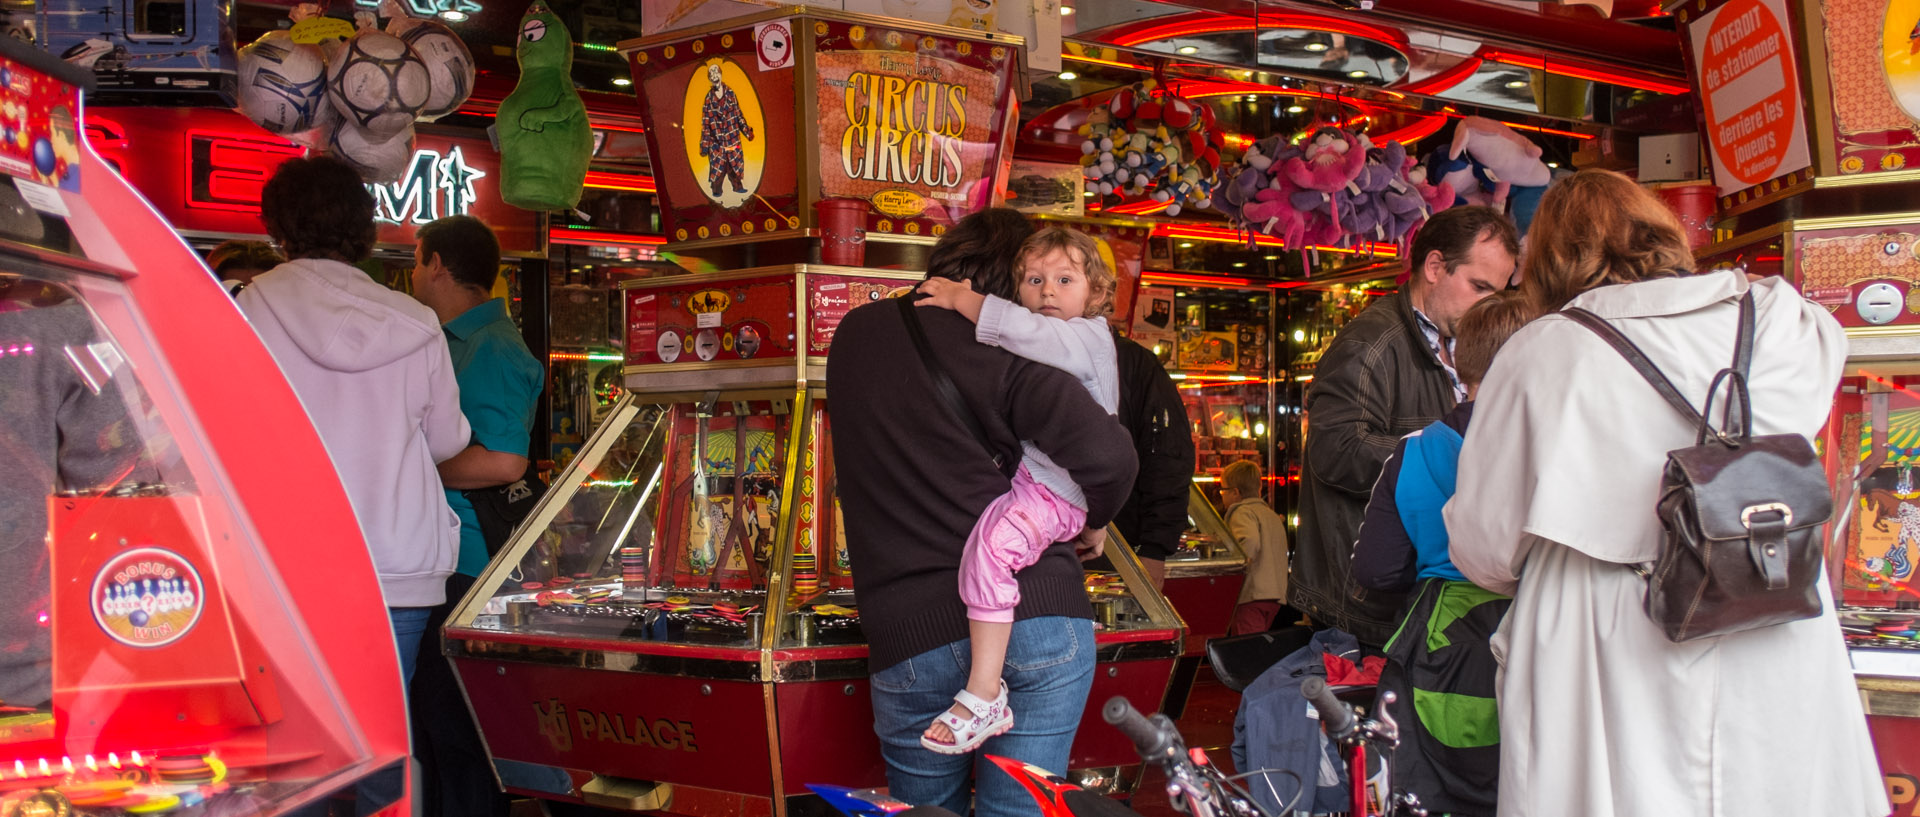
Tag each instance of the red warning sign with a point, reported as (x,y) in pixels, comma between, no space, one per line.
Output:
(1743,59)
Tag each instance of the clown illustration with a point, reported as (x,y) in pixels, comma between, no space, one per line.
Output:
(722,129)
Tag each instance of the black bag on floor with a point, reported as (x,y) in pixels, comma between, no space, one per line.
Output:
(502,508)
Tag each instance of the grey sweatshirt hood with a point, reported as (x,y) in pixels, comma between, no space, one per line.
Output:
(341,318)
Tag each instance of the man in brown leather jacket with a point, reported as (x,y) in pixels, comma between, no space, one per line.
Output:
(1387,374)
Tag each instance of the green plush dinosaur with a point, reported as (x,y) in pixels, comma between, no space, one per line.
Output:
(545,141)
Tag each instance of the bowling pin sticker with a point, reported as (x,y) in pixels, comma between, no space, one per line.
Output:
(147,597)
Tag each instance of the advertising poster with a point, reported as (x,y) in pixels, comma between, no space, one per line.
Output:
(1153,325)
(910,123)
(719,115)
(1749,92)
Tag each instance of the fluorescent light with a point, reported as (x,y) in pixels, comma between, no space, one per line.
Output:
(1273,258)
(1188,49)
(622,81)
(1516,83)
(1186,244)
(1177,376)
(1295,109)
(452,16)
(1069,76)
(1553,164)
(1316,46)
(1238,264)
(1356,73)
(1088,193)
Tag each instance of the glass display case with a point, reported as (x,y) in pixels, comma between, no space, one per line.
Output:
(690,562)
(158,647)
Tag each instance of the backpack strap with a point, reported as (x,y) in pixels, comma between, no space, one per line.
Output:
(1638,360)
(943,385)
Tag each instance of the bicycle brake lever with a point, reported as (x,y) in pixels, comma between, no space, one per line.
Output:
(1389,729)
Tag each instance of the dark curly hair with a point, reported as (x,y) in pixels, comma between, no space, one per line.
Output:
(318,207)
(983,250)
(466,245)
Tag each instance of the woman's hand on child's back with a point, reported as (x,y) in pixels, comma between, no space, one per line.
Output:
(955,295)
(1092,543)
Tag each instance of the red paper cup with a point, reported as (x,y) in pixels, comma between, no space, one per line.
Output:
(843,234)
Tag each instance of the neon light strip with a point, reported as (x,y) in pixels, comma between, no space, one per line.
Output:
(1628,77)
(1142,208)
(600,180)
(589,238)
(1198,280)
(1445,80)
(1097,61)
(589,356)
(1227,236)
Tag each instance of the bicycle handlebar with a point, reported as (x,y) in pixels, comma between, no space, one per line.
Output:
(1334,714)
(1150,738)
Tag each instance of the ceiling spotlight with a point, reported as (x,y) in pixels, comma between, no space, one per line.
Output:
(1299,336)
(1188,49)
(1356,73)
(1553,164)
(1295,109)
(1069,76)
(1517,83)
(1273,258)
(1088,193)
(1316,46)
(1239,264)
(1066,10)
(1186,245)
(452,16)
(622,81)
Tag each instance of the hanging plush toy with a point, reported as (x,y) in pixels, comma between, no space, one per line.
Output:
(1511,163)
(545,141)
(1329,161)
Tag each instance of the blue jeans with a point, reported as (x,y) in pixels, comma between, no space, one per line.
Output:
(1049,673)
(409,623)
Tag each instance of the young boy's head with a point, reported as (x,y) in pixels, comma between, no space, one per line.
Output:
(1241,481)
(1061,275)
(1483,330)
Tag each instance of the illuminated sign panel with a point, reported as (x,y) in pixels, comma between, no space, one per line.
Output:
(224,161)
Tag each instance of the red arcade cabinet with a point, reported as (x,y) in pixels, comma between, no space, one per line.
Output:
(184,571)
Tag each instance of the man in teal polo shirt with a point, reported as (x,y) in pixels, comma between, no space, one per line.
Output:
(457,262)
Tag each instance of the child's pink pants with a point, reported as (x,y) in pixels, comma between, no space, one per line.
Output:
(1010,536)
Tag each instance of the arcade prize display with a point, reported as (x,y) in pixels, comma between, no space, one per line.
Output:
(180,595)
(674,628)
(1814,183)
(1213,339)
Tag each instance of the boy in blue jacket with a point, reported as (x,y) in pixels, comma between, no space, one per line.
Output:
(1439,663)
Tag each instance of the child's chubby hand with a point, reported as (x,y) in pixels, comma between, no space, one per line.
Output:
(954,295)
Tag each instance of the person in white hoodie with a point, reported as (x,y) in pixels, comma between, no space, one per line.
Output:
(372,367)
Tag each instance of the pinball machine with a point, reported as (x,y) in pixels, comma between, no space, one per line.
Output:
(181,595)
(674,628)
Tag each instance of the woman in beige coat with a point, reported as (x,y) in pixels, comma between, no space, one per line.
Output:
(1601,715)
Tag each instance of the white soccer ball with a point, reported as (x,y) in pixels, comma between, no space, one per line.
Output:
(377,83)
(379,159)
(449,66)
(283,84)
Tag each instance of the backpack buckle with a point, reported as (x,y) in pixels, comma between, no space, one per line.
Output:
(1786,513)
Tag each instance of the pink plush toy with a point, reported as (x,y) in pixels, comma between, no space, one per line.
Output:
(1272,213)
(1328,162)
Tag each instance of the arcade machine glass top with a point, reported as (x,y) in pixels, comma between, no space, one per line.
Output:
(151,659)
(701,518)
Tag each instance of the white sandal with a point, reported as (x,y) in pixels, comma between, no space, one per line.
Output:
(990,718)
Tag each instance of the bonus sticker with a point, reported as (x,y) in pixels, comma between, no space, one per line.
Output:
(147,597)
